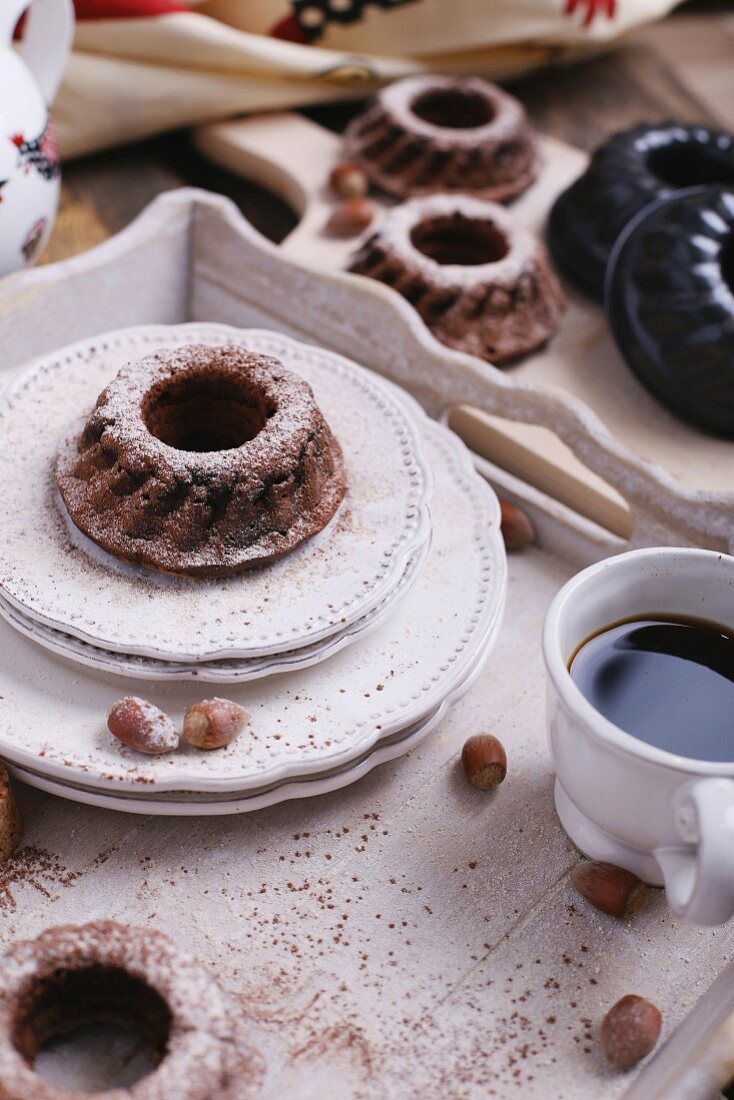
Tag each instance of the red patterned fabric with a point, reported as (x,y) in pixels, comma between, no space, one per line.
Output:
(125,9)
(592,9)
(289,30)
(132,84)
(309,20)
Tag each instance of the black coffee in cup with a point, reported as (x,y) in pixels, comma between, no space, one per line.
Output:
(667,681)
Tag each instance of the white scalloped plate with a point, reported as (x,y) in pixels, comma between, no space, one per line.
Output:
(56,576)
(185,806)
(303,722)
(193,804)
(228,671)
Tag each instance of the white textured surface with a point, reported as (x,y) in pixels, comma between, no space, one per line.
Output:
(192,804)
(54,574)
(372,959)
(383,939)
(184,804)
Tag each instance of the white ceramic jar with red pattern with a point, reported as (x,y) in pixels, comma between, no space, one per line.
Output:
(30,72)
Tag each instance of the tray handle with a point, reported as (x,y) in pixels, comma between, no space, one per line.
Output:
(637,502)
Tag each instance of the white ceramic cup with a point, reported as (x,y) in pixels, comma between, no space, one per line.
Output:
(667,818)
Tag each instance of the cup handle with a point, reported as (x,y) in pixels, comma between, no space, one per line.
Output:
(46,43)
(699,878)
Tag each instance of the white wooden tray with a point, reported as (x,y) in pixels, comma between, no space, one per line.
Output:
(216,267)
(407,936)
(577,387)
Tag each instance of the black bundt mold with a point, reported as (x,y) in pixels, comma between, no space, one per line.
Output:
(631,170)
(670,304)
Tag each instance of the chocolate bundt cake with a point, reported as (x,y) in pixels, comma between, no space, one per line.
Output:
(204,461)
(481,283)
(630,170)
(670,303)
(429,134)
(137,978)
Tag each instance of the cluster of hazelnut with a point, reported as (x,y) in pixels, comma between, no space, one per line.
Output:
(354,212)
(140,725)
(631,1027)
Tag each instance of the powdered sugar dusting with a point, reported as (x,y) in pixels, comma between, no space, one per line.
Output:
(149,729)
(121,405)
(399,222)
(430,135)
(508,114)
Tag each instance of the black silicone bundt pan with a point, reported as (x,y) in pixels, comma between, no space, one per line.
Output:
(632,169)
(670,303)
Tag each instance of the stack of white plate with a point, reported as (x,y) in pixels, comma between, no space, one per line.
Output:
(345,653)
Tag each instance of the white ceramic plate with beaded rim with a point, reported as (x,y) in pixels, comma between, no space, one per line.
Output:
(229,671)
(58,577)
(193,804)
(234,804)
(186,806)
(53,716)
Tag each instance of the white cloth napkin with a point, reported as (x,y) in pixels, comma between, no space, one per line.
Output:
(130,78)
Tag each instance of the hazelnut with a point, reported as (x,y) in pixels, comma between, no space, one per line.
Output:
(484,760)
(350,217)
(141,726)
(213,723)
(11,829)
(517,530)
(611,889)
(348,181)
(629,1030)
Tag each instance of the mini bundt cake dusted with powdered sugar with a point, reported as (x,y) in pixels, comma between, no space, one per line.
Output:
(204,461)
(105,972)
(429,134)
(481,283)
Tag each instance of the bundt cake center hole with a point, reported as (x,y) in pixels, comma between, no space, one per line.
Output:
(91,1029)
(456,239)
(685,164)
(453,109)
(206,411)
(726,260)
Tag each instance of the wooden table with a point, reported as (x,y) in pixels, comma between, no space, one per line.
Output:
(407,936)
